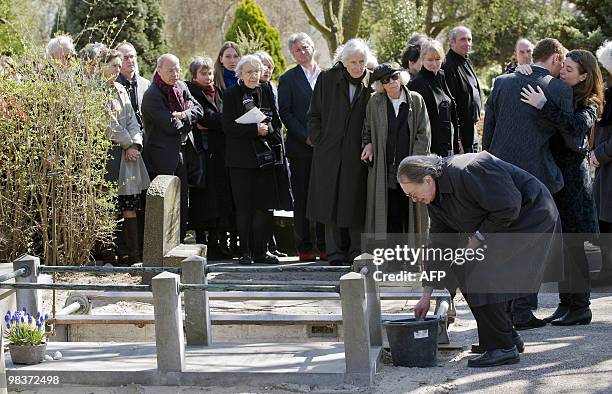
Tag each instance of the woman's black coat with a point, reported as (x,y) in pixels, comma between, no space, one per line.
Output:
(242,141)
(513,211)
(214,201)
(444,128)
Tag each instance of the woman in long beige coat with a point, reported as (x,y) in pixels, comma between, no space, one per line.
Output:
(396,126)
(125,165)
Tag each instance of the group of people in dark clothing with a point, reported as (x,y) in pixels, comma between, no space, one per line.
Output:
(357,158)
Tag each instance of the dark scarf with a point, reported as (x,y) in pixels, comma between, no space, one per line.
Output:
(209,90)
(351,80)
(174,94)
(229,77)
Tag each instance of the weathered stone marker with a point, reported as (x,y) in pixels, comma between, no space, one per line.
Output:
(372,297)
(197,316)
(169,338)
(162,243)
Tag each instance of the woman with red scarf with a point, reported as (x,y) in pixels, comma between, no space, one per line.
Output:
(210,207)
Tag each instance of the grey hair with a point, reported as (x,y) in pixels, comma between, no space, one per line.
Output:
(299,37)
(265,56)
(356,46)
(403,80)
(165,57)
(417,39)
(125,44)
(453,33)
(91,51)
(56,44)
(250,60)
(198,63)
(604,54)
(414,169)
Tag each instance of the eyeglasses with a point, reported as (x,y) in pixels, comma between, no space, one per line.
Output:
(388,79)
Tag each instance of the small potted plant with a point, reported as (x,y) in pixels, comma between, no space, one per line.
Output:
(26,335)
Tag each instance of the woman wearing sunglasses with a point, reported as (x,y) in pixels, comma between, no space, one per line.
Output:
(575,201)
(396,126)
(431,84)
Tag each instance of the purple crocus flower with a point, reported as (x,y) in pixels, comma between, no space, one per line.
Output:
(7,318)
(16,329)
(29,318)
(46,316)
(24,310)
(22,319)
(8,326)
(37,315)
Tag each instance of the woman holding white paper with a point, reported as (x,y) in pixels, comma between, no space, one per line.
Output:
(254,155)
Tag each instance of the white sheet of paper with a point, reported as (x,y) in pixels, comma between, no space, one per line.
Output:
(253,116)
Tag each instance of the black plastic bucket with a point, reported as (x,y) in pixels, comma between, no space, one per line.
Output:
(413,343)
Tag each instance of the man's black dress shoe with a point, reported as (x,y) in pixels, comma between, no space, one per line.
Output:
(517,340)
(245,260)
(559,312)
(534,322)
(493,358)
(579,316)
(266,259)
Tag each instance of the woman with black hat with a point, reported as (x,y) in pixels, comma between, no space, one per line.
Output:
(396,126)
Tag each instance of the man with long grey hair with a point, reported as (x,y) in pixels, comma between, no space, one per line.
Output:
(482,205)
(338,178)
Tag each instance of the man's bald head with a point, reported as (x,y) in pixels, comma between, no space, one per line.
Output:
(523,51)
(169,68)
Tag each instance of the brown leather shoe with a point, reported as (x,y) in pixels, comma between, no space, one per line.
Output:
(308,256)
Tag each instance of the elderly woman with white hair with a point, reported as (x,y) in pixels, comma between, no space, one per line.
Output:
(396,126)
(254,157)
(338,179)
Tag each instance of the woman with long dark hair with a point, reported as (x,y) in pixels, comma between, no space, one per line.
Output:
(575,201)
(225,66)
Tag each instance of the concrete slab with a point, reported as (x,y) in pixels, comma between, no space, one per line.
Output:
(116,364)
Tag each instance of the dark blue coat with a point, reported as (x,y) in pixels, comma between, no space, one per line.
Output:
(294,94)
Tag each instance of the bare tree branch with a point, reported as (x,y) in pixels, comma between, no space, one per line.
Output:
(312,19)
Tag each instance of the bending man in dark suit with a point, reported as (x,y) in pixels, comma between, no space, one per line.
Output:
(463,85)
(294,93)
(516,133)
(168,113)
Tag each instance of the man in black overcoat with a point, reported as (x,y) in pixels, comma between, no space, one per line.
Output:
(509,220)
(169,111)
(515,132)
(463,85)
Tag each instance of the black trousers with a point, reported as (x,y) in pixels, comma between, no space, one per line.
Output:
(575,289)
(398,211)
(494,326)
(305,238)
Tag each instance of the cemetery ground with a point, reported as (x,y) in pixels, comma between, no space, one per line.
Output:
(556,359)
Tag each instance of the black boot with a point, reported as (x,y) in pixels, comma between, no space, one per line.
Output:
(130,236)
(559,312)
